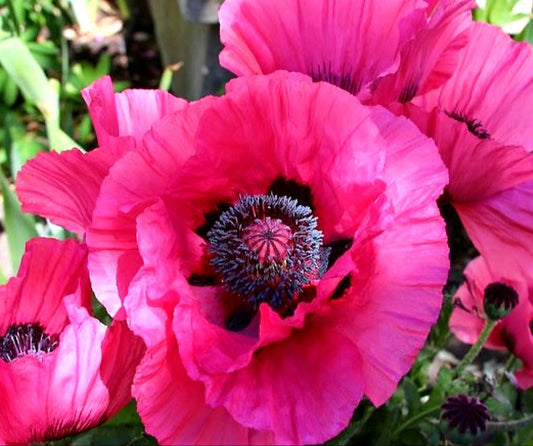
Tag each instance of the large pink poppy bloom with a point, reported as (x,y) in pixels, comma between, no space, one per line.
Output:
(491,90)
(491,188)
(413,45)
(512,333)
(283,255)
(73,178)
(61,370)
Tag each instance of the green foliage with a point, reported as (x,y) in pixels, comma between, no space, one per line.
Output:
(19,227)
(511,15)
(30,78)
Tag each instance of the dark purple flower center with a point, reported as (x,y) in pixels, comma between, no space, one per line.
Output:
(266,248)
(26,339)
(465,413)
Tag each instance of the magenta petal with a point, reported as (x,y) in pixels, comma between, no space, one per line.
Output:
(329,137)
(121,353)
(466,321)
(303,36)
(431,57)
(173,409)
(275,392)
(64,187)
(501,228)
(398,273)
(501,98)
(130,113)
(49,270)
(134,184)
(165,249)
(478,168)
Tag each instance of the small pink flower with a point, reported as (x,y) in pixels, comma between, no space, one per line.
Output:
(73,178)
(280,252)
(381,50)
(61,370)
(512,333)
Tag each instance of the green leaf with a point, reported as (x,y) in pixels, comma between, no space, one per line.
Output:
(3,277)
(510,15)
(10,92)
(444,378)
(22,150)
(22,67)
(24,70)
(412,397)
(19,227)
(527,34)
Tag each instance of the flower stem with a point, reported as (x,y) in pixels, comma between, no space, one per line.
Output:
(474,350)
(502,426)
(434,410)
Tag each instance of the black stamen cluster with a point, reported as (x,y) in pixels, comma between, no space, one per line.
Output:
(26,339)
(276,280)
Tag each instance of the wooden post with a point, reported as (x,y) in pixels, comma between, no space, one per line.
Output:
(187,31)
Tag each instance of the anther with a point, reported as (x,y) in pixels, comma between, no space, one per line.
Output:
(26,339)
(266,248)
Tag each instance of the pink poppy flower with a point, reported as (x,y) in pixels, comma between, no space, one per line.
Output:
(74,178)
(412,45)
(511,333)
(491,90)
(282,254)
(62,371)
(491,188)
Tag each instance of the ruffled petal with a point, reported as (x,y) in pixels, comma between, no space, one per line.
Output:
(173,408)
(431,57)
(303,36)
(127,114)
(478,168)
(397,274)
(491,86)
(133,184)
(282,375)
(165,248)
(466,321)
(121,353)
(328,137)
(49,271)
(64,186)
(501,228)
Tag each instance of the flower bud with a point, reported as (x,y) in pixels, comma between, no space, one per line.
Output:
(499,300)
(464,418)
